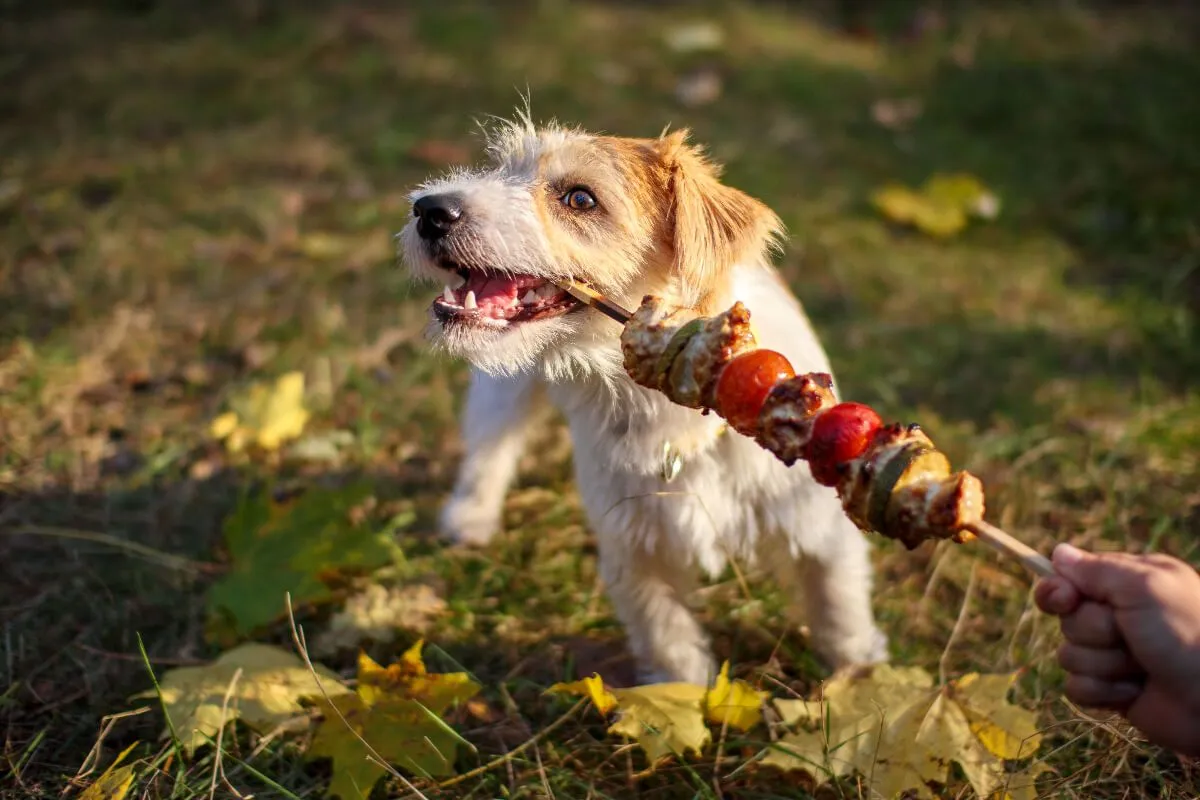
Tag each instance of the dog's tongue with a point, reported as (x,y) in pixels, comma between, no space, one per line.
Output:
(498,290)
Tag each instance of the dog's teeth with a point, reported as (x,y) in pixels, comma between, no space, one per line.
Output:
(530,298)
(470,303)
(547,290)
(456,281)
(448,295)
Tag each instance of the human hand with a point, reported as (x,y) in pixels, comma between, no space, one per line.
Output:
(1132,630)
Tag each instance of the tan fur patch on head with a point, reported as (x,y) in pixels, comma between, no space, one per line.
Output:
(713,227)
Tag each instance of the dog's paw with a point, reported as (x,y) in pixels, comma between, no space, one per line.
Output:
(463,521)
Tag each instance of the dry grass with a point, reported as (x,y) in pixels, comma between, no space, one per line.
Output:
(193,199)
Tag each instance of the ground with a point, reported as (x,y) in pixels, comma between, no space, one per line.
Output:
(194,199)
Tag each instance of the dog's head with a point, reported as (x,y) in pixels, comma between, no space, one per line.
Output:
(627,216)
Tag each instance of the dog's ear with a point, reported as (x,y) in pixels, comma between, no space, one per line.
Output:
(711,226)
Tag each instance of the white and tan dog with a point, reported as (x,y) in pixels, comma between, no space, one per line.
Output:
(630,217)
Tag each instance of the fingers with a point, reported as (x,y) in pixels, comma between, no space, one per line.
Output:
(1092,625)
(1057,596)
(1092,692)
(1118,579)
(1110,664)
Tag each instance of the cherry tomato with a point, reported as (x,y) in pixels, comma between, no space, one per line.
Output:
(744,384)
(840,434)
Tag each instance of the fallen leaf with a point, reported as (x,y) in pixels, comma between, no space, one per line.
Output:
(669,718)
(265,416)
(852,733)
(267,693)
(896,114)
(378,613)
(400,731)
(396,710)
(115,782)
(698,88)
(734,703)
(1007,731)
(693,37)
(592,688)
(900,732)
(327,446)
(965,192)
(301,546)
(409,678)
(901,204)
(941,207)
(664,718)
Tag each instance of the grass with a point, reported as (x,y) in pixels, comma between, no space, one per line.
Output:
(190,200)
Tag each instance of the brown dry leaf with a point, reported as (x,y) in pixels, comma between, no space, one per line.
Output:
(698,88)
(378,613)
(897,113)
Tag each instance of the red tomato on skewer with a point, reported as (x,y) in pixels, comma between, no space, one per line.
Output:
(840,434)
(744,385)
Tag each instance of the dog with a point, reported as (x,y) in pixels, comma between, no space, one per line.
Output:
(630,217)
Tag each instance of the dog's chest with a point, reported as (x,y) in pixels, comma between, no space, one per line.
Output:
(649,472)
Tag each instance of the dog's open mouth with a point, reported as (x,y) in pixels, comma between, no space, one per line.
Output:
(497,298)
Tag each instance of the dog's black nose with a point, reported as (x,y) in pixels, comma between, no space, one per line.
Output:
(437,213)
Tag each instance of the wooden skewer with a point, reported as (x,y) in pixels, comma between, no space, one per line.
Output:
(996,538)
(590,297)
(1008,545)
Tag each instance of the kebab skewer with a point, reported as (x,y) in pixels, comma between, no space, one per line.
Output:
(891,479)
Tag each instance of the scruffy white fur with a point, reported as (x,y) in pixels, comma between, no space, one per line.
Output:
(667,225)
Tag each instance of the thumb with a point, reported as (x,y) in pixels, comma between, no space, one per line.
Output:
(1110,578)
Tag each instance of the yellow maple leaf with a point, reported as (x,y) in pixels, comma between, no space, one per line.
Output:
(399,730)
(860,723)
(266,416)
(898,731)
(395,710)
(592,688)
(669,718)
(409,678)
(664,718)
(734,703)
(936,218)
(115,782)
(963,191)
(1007,731)
(267,693)
(942,205)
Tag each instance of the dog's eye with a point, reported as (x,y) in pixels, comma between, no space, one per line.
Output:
(579,199)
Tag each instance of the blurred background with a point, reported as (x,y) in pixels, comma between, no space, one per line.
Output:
(196,199)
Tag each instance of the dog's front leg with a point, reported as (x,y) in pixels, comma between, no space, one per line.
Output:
(500,412)
(649,594)
(831,583)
